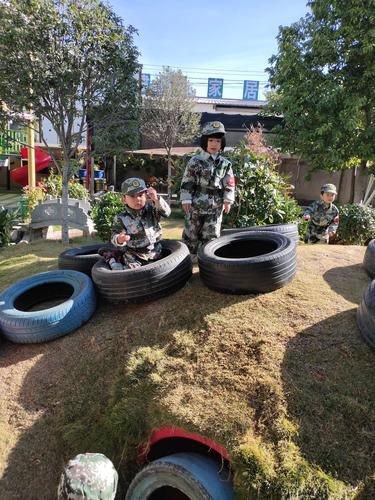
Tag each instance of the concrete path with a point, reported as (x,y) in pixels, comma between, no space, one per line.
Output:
(9,199)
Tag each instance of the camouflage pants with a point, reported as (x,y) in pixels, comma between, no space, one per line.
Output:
(200,228)
(129,258)
(315,235)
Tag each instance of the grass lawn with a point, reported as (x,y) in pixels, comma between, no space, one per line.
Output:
(282,380)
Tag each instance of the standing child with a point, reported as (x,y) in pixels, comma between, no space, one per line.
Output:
(136,231)
(207,189)
(323,216)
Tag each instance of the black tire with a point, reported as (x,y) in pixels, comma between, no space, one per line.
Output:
(290,230)
(77,302)
(182,475)
(366,315)
(247,262)
(149,282)
(81,259)
(369,259)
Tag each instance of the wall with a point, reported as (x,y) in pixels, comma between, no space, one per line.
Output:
(306,191)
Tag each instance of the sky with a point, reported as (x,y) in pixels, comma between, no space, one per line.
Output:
(232,40)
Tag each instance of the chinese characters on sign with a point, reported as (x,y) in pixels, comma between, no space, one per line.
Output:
(215,88)
(146,80)
(250,90)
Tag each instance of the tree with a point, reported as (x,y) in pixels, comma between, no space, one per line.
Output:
(167,112)
(322,82)
(64,59)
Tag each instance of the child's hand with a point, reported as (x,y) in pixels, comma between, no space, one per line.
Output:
(306,217)
(152,194)
(226,207)
(122,238)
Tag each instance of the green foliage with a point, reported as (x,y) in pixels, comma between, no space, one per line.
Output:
(321,84)
(78,62)
(7,220)
(262,194)
(103,213)
(52,186)
(357,224)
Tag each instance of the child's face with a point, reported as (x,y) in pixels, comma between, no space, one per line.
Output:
(328,197)
(213,145)
(135,202)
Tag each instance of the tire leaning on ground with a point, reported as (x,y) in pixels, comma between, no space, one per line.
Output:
(82,258)
(77,302)
(290,230)
(152,281)
(182,475)
(369,259)
(247,262)
(366,315)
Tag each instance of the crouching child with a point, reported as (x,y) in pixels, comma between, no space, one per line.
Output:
(323,216)
(136,232)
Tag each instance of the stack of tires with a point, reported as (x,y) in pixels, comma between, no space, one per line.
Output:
(248,261)
(155,280)
(290,230)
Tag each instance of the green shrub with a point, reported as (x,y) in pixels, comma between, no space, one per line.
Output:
(357,224)
(103,213)
(262,194)
(7,220)
(53,187)
(32,195)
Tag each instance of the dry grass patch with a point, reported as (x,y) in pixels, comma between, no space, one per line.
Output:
(282,380)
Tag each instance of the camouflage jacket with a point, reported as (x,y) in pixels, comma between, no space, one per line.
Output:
(207,182)
(143,226)
(323,217)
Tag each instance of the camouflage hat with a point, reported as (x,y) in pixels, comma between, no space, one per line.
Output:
(88,475)
(133,186)
(329,188)
(211,128)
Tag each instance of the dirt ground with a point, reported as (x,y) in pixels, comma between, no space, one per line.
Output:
(329,284)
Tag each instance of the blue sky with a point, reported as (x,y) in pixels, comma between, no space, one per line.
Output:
(221,39)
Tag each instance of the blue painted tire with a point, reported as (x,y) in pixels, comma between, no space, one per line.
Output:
(191,474)
(20,325)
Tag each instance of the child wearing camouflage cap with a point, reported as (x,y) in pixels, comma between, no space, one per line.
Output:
(136,231)
(323,216)
(207,189)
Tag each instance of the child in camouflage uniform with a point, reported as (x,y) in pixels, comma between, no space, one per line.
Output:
(136,232)
(207,189)
(88,475)
(323,216)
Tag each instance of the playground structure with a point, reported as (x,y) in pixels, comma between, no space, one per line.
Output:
(42,161)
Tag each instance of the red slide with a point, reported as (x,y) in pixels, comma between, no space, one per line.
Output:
(42,160)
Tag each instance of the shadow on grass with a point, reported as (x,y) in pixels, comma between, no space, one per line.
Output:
(328,381)
(99,388)
(347,281)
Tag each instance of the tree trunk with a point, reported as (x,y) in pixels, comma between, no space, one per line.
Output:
(340,184)
(65,197)
(169,176)
(352,186)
